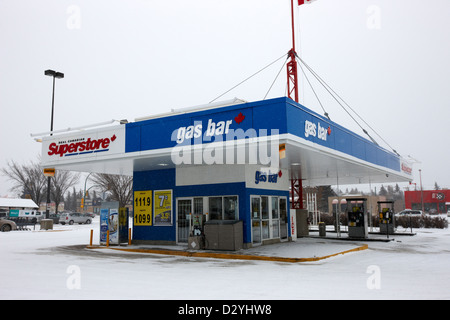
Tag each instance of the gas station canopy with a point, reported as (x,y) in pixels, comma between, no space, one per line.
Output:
(276,133)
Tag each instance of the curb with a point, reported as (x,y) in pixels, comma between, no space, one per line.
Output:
(232,256)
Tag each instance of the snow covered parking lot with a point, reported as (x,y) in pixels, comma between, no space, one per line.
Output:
(56,265)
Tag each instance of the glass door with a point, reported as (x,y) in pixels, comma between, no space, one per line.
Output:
(256,219)
(269,218)
(184,210)
(275,218)
(265,218)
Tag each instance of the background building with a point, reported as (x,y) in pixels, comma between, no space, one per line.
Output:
(431,201)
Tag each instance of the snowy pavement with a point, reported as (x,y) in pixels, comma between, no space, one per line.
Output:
(56,265)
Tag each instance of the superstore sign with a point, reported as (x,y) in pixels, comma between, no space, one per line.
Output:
(79,146)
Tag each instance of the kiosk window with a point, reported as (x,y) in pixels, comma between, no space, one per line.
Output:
(223,208)
(229,208)
(198,205)
(215,208)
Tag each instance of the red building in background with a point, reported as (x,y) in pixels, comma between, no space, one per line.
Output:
(434,201)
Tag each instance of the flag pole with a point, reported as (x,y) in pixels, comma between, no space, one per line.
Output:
(293,25)
(292,79)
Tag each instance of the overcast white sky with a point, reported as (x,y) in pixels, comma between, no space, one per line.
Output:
(122,59)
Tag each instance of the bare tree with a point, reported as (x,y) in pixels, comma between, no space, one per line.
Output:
(120,186)
(27,179)
(62,181)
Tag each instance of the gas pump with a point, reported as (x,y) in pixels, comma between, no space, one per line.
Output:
(386,217)
(357,217)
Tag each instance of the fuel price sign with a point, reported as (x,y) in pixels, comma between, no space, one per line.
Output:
(143,208)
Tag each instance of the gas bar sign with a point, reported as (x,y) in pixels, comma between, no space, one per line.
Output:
(143,208)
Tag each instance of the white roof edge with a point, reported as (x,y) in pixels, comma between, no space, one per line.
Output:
(62,134)
(202,107)
(70,130)
(17,203)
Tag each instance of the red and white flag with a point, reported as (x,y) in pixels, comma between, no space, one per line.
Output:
(300,2)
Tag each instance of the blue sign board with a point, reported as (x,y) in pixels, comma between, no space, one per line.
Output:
(255,119)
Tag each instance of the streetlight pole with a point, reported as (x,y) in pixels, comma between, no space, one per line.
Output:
(55,75)
(84,193)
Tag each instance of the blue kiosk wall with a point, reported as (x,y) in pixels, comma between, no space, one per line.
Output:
(165,179)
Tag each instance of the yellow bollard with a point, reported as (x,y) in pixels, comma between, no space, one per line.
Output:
(92,235)
(107,238)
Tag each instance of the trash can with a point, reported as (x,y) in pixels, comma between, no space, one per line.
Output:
(322,229)
(302,222)
(223,235)
(47,224)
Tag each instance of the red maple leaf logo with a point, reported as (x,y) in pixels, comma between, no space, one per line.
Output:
(113,138)
(329,131)
(240,117)
(280,174)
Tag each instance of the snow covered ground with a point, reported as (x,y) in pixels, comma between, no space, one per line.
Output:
(56,265)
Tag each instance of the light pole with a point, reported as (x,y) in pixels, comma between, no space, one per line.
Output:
(84,192)
(55,75)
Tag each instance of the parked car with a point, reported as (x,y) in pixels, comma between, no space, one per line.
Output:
(39,215)
(7,225)
(4,213)
(74,217)
(409,213)
(55,217)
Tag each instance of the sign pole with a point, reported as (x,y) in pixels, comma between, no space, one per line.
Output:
(292,78)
